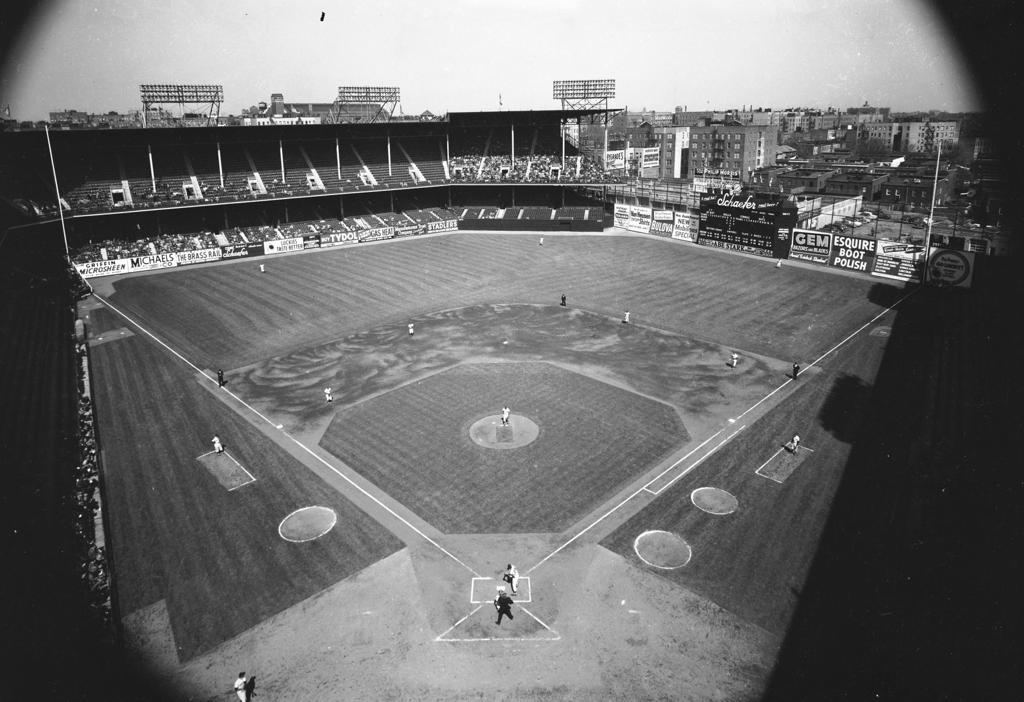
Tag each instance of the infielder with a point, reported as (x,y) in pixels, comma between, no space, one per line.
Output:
(217,446)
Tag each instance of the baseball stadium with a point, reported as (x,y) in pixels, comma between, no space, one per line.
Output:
(254,382)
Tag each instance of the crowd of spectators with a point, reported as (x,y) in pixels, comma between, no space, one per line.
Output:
(478,163)
(537,168)
(143,246)
(177,242)
(86,504)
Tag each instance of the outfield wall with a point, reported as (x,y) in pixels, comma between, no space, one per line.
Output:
(133,264)
(323,240)
(877,257)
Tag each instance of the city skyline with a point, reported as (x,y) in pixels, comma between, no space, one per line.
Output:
(480,55)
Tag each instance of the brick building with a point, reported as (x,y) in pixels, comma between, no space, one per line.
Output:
(804,180)
(867,184)
(915,192)
(732,147)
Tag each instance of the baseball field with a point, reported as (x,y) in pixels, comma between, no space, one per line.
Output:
(351,549)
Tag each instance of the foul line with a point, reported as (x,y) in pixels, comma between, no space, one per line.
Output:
(700,460)
(439,638)
(788,381)
(298,443)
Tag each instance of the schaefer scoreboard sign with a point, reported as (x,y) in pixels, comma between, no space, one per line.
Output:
(755,224)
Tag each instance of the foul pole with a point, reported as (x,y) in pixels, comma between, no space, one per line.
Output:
(60,209)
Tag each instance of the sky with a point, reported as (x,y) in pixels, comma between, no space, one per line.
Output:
(461,55)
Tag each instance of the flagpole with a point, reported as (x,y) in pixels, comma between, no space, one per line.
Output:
(931,215)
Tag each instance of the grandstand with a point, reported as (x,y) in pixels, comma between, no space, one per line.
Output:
(132,170)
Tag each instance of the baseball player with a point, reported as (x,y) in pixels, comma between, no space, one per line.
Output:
(733,360)
(625,317)
(505,413)
(411,329)
(328,395)
(217,446)
(511,577)
(239,687)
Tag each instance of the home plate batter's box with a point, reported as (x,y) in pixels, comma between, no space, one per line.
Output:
(483,590)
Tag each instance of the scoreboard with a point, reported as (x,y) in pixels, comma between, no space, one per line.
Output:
(755,224)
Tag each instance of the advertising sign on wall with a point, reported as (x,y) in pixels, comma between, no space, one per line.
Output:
(852,253)
(898,261)
(809,245)
(639,219)
(445,225)
(187,258)
(337,239)
(661,224)
(408,229)
(152,262)
(652,157)
(951,268)
(92,269)
(621,216)
(615,160)
(311,241)
(684,226)
(376,234)
(274,246)
(234,251)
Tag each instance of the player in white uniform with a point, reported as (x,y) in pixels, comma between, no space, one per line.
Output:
(328,395)
(217,447)
(511,577)
(505,414)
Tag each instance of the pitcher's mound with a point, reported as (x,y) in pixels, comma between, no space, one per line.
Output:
(489,432)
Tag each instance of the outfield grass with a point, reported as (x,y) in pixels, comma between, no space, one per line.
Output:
(414,444)
(755,560)
(231,315)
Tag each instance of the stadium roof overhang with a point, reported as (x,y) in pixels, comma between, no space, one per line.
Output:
(165,136)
